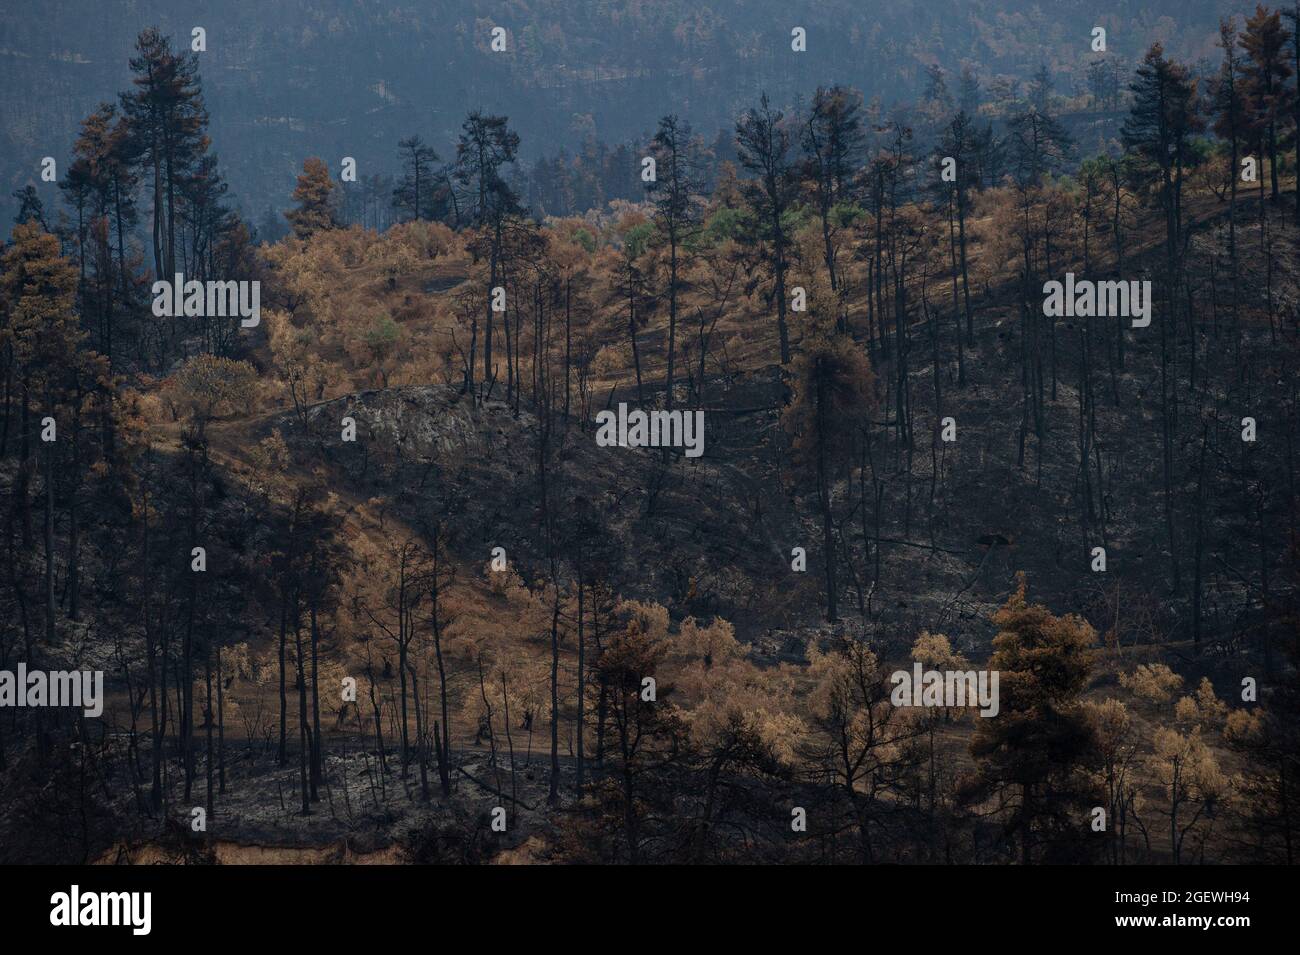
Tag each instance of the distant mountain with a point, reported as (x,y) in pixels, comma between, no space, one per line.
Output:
(293,78)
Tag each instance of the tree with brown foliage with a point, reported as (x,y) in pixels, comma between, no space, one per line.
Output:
(832,395)
(1031,756)
(315,195)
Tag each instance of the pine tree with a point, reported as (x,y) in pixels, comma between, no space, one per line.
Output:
(1039,145)
(675,193)
(415,192)
(1158,131)
(832,142)
(649,737)
(1031,756)
(100,186)
(1230,108)
(764,145)
(1266,71)
(315,195)
(205,216)
(960,142)
(168,132)
(42,334)
(832,395)
(30,207)
(487,144)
